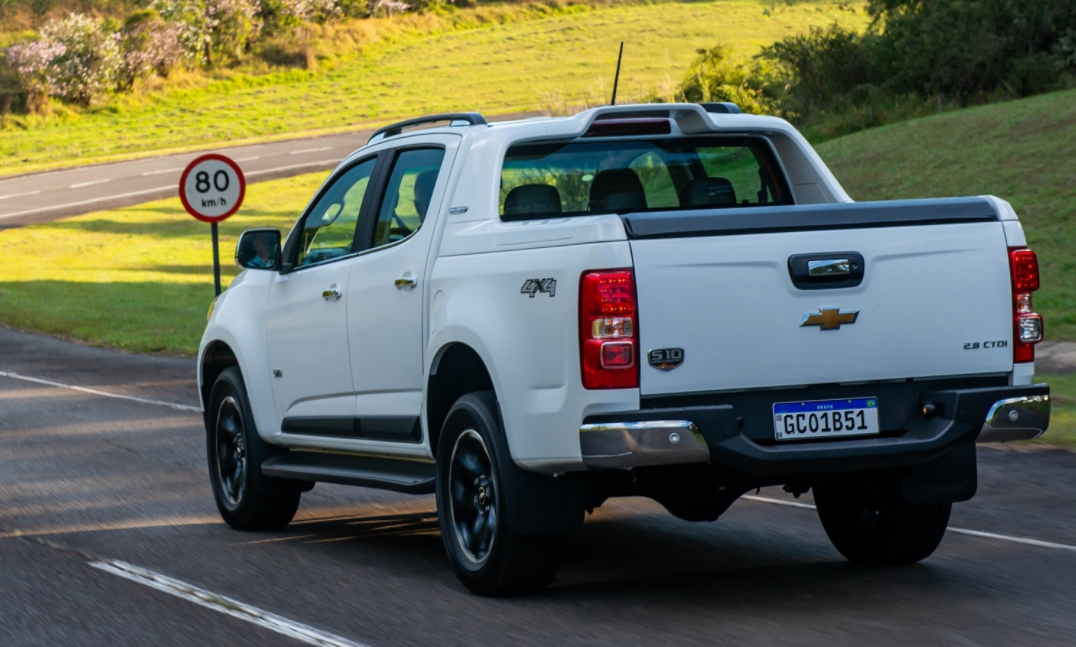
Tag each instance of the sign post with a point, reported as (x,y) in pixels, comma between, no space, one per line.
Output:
(212,187)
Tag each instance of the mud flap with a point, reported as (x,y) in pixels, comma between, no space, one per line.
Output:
(950,478)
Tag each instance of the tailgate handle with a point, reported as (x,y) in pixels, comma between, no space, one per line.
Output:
(829,267)
(826,270)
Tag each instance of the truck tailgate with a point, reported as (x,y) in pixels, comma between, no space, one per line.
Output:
(934,298)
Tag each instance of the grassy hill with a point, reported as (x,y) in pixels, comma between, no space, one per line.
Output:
(565,59)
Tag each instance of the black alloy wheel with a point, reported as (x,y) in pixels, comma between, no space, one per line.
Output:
(246,498)
(474,488)
(231,453)
(473,504)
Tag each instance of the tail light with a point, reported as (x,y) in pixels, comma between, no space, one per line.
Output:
(1027,325)
(608,330)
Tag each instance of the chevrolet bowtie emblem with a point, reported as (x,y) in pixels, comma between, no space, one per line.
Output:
(829,318)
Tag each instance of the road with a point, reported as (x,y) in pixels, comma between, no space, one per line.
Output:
(91,485)
(43,197)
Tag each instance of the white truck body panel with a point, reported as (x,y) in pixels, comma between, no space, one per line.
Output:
(729,303)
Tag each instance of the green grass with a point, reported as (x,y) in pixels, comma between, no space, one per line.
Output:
(563,60)
(1062,429)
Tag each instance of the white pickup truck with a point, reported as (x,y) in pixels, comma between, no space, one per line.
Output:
(673,301)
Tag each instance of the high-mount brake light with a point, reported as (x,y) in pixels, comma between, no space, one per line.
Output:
(1027,325)
(608,330)
(628,127)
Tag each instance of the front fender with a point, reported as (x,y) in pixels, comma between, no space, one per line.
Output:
(238,321)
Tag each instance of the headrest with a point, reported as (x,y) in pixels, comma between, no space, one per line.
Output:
(617,190)
(532,199)
(711,192)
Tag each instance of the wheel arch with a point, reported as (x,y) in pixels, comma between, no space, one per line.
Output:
(457,369)
(216,357)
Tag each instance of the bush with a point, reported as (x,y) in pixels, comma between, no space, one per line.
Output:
(918,56)
(212,31)
(91,58)
(76,59)
(712,77)
(150,46)
(31,64)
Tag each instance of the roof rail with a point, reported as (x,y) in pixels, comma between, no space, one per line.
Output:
(469,119)
(721,107)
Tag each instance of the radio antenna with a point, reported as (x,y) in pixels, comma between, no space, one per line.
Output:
(616,79)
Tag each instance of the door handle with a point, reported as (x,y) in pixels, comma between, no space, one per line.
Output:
(406,281)
(331,293)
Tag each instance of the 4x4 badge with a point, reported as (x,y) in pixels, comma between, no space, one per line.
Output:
(829,318)
(534,286)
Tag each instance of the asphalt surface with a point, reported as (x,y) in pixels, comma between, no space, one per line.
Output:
(43,197)
(86,478)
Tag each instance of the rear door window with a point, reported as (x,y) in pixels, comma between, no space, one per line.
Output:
(406,200)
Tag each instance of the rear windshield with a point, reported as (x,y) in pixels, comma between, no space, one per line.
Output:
(622,176)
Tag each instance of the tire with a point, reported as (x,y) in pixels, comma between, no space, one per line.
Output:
(473,470)
(874,526)
(246,499)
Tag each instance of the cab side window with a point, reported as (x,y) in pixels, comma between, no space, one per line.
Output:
(407,194)
(329,229)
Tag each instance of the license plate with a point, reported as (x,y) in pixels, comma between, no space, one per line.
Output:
(825,418)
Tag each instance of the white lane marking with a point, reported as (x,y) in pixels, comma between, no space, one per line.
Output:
(225,605)
(160,403)
(163,170)
(18,195)
(90,183)
(285,168)
(766,499)
(960,531)
(310,150)
(248,159)
(1015,540)
(84,202)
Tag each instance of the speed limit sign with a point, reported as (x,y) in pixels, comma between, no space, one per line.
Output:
(212,188)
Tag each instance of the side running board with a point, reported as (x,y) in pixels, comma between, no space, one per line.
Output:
(408,476)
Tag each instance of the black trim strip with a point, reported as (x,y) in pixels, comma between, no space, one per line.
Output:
(853,215)
(401,429)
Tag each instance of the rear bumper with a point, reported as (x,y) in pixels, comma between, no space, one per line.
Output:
(712,434)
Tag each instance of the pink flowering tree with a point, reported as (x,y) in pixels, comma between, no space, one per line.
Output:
(75,59)
(31,64)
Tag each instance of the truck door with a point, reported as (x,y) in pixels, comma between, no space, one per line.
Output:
(387,290)
(306,322)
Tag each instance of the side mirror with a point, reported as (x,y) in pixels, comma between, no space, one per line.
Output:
(258,249)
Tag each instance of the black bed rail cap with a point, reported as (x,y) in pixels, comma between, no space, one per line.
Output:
(453,119)
(774,219)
